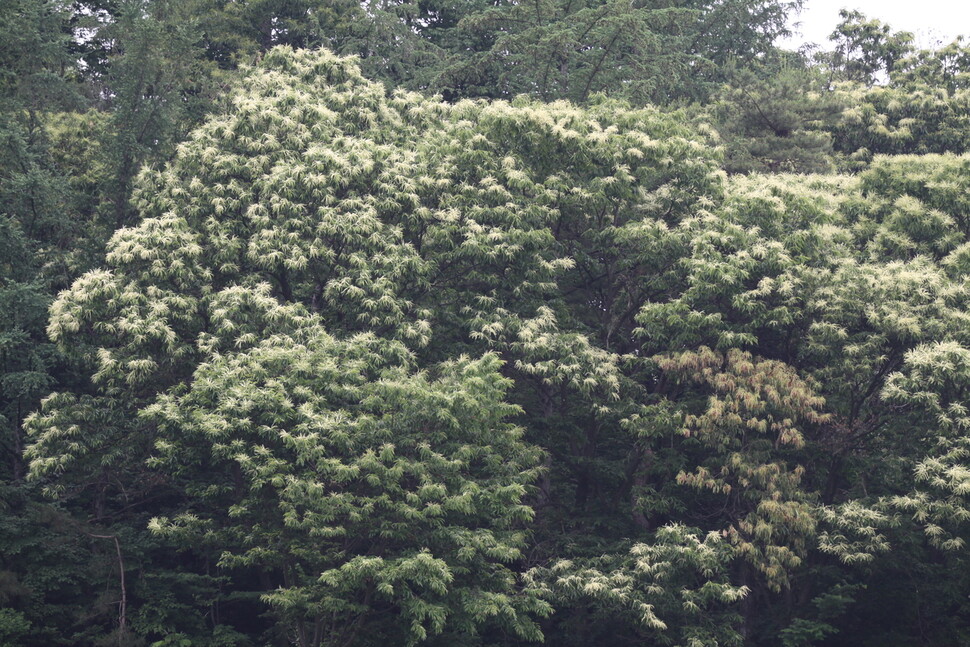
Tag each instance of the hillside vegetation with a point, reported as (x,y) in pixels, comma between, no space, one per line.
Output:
(480,325)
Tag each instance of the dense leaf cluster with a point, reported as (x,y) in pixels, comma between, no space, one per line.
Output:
(342,363)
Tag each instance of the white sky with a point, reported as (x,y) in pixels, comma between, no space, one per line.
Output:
(930,20)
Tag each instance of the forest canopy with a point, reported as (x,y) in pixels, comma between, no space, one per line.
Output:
(575,324)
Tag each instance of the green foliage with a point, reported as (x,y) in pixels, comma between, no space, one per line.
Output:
(654,51)
(800,269)
(673,590)
(39,214)
(947,67)
(365,487)
(33,52)
(777,124)
(364,367)
(855,532)
(13,626)
(866,49)
(828,606)
(318,201)
(157,85)
(575,49)
(235,32)
(901,121)
(751,413)
(933,381)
